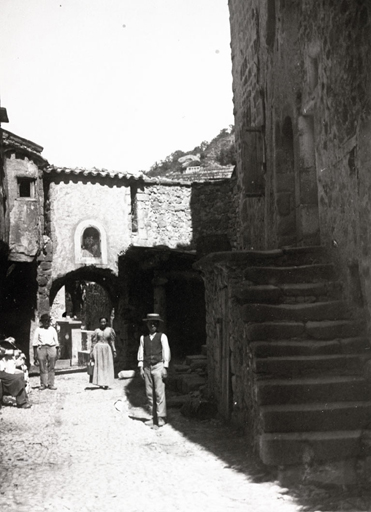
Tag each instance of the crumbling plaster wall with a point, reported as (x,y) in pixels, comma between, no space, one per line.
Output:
(25,213)
(72,202)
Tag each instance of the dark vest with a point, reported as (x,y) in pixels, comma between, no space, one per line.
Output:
(152,349)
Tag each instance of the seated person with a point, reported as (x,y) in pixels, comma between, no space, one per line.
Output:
(14,361)
(12,384)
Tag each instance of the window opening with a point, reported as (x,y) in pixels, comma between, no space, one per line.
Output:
(134,208)
(26,187)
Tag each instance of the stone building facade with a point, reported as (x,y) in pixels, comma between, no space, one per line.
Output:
(23,237)
(302,110)
(301,89)
(70,226)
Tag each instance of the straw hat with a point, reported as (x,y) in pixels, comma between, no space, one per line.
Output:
(154,317)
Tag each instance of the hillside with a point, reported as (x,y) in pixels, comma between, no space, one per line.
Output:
(218,153)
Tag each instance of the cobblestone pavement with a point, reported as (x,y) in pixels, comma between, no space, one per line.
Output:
(87,450)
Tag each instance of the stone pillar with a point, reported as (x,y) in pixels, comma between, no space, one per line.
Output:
(70,340)
(159,298)
(76,344)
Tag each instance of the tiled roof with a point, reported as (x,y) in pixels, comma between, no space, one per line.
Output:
(201,174)
(83,171)
(12,141)
(170,179)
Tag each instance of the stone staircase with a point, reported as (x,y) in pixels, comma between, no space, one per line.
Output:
(309,351)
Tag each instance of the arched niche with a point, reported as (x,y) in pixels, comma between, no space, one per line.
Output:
(90,243)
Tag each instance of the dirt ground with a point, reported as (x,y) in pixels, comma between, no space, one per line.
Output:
(82,448)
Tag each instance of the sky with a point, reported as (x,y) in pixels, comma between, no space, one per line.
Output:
(115,84)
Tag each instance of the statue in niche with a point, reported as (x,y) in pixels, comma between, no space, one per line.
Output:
(91,244)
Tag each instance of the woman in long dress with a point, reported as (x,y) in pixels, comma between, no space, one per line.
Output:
(103,352)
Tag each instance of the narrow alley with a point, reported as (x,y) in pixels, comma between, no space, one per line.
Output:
(86,449)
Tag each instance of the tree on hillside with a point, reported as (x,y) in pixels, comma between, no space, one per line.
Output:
(219,152)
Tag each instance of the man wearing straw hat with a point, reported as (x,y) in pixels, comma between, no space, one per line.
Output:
(153,361)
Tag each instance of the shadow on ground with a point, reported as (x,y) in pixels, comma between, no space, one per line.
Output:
(230,445)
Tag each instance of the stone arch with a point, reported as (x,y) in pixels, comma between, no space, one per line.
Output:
(96,252)
(74,332)
(103,277)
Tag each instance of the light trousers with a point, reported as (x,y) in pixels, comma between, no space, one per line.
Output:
(47,357)
(155,389)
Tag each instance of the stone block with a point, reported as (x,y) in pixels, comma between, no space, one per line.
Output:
(284,203)
(257,294)
(346,364)
(335,310)
(195,359)
(83,357)
(191,382)
(176,402)
(181,368)
(315,389)
(317,417)
(279,348)
(328,330)
(126,374)
(274,330)
(287,275)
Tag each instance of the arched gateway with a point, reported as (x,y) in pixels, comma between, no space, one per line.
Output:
(106,243)
(131,237)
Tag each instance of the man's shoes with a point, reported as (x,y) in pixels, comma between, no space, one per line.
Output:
(149,423)
(161,422)
(52,387)
(41,388)
(26,405)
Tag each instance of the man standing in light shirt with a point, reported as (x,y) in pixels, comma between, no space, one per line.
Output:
(153,361)
(46,351)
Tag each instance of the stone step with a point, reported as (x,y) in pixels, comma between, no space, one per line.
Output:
(309,347)
(291,275)
(181,368)
(196,359)
(176,402)
(190,382)
(330,289)
(344,364)
(270,294)
(328,330)
(263,293)
(322,330)
(274,330)
(293,448)
(303,255)
(316,417)
(309,390)
(317,311)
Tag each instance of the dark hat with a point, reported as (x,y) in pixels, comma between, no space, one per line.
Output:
(152,316)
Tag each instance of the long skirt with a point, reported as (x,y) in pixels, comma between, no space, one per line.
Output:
(103,369)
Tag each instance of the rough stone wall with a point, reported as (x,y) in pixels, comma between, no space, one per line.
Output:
(25,213)
(302,71)
(342,114)
(223,319)
(167,214)
(212,209)
(164,216)
(249,115)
